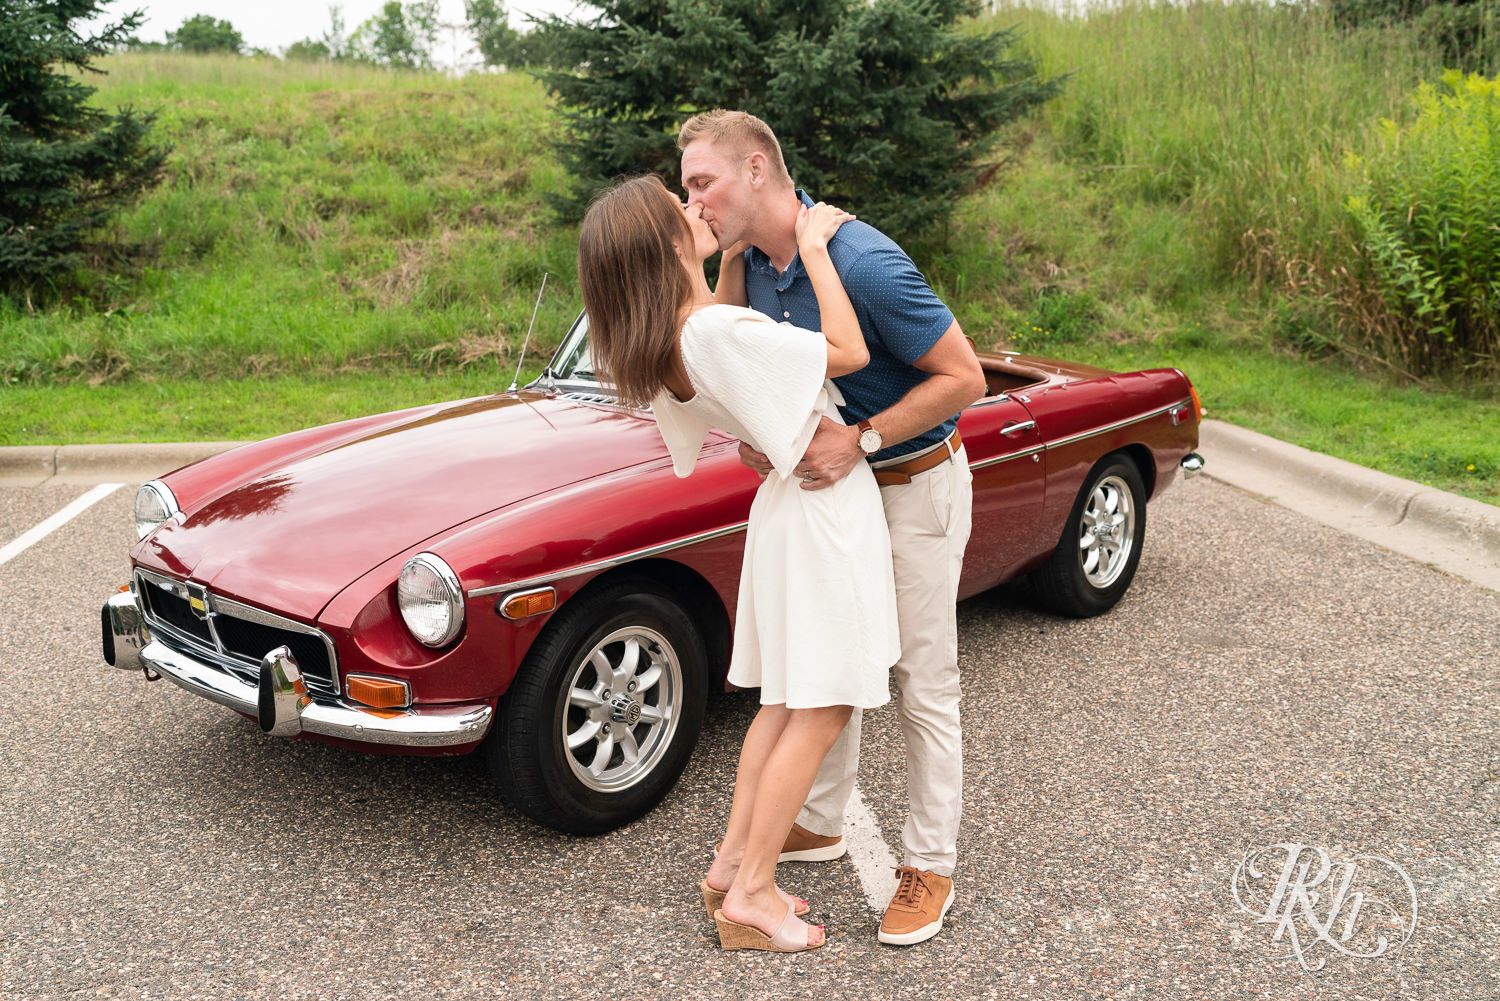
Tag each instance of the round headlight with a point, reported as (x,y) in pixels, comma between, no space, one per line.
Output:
(154,504)
(431,600)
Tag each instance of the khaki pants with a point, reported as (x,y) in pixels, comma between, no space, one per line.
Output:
(929,521)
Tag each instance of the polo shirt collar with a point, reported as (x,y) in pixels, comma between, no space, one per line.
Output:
(760,261)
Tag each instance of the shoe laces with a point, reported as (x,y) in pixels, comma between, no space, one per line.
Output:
(913,884)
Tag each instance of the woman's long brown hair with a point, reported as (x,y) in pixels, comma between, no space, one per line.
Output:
(635,288)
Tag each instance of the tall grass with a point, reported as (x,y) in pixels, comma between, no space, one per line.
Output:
(1203,144)
(1239,113)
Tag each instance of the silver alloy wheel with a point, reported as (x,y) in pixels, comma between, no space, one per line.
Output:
(1106,531)
(621,709)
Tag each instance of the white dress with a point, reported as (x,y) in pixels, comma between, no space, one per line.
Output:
(816,624)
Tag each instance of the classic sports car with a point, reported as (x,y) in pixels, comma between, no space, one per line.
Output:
(525,575)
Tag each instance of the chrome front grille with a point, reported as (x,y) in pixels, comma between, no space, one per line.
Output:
(232,635)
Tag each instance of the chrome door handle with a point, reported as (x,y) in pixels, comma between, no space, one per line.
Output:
(1015,427)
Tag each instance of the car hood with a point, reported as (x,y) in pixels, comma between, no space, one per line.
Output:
(292,536)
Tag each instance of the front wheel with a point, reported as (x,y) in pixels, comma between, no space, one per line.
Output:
(1095,560)
(604,711)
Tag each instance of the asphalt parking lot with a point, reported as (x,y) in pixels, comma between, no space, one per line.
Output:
(1268,680)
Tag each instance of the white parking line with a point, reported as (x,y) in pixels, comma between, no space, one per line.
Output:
(30,538)
(870,854)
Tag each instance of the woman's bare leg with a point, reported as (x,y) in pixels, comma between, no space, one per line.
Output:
(784,778)
(765,730)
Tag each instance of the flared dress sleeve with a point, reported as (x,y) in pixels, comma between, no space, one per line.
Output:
(767,376)
(682,430)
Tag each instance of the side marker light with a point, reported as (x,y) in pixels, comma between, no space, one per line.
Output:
(529,603)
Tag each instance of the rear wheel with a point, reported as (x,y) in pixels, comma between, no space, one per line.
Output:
(604,712)
(1095,561)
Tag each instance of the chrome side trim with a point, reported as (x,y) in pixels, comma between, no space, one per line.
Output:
(427,726)
(1116,425)
(613,561)
(987,400)
(1007,457)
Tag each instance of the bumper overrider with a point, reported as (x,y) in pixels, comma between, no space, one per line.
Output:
(281,701)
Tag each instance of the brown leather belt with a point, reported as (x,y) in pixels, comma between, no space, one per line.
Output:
(902,472)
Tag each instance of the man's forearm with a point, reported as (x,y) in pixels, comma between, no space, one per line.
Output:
(928,404)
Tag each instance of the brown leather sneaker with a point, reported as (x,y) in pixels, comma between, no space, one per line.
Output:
(802,845)
(916,911)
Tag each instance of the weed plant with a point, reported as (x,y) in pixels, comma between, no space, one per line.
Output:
(1429,216)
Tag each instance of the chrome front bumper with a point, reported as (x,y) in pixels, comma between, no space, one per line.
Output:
(280,702)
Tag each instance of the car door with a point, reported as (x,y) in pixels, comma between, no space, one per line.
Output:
(1010,470)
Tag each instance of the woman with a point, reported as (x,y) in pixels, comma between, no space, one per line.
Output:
(816,622)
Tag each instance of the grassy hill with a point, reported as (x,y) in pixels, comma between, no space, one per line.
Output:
(334,240)
(314,216)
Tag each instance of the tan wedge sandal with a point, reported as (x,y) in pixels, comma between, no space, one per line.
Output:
(714,899)
(790,937)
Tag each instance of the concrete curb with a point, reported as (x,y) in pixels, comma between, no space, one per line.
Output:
(1456,534)
(33,465)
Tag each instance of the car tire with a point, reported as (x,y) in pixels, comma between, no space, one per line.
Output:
(605,710)
(1095,560)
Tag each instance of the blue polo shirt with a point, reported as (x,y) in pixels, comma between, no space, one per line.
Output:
(900,315)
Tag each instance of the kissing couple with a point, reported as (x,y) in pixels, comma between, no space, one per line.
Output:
(825,351)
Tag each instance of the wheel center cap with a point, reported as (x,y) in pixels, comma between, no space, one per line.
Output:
(624,709)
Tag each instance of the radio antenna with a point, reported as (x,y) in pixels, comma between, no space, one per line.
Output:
(524,344)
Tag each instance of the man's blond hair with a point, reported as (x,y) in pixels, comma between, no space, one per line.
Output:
(740,132)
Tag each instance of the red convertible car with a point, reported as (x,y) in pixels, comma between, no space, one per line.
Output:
(524,575)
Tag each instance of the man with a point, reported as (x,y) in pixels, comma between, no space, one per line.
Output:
(901,412)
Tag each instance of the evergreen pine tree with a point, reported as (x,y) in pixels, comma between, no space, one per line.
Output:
(885,107)
(65,167)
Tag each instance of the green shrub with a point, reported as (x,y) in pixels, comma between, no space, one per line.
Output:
(1465,35)
(202,34)
(66,166)
(1427,210)
(1462,32)
(1354,13)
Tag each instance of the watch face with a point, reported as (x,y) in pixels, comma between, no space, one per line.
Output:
(870,441)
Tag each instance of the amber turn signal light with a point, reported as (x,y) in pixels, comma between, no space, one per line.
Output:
(1197,403)
(381,693)
(519,606)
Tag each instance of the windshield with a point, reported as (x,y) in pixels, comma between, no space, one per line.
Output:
(571,363)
